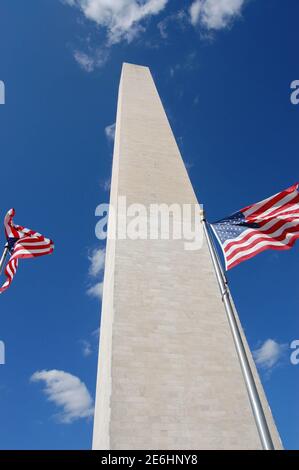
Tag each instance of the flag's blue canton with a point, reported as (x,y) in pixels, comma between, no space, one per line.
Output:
(11,243)
(232,226)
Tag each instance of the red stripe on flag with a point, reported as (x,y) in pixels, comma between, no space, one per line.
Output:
(29,244)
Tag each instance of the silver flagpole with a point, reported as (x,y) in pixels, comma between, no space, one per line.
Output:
(3,257)
(254,398)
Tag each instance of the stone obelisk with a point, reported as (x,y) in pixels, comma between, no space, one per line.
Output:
(168,374)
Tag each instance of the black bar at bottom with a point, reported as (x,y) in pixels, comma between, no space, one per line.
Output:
(135,459)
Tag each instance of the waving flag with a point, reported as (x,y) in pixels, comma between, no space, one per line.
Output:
(272,223)
(22,243)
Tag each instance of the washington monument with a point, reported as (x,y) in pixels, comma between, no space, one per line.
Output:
(168,376)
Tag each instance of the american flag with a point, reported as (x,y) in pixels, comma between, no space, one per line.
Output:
(271,223)
(22,243)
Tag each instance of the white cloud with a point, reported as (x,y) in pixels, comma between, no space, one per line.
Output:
(195,11)
(97,261)
(124,20)
(215,14)
(96,290)
(269,354)
(110,132)
(91,61)
(67,392)
(121,18)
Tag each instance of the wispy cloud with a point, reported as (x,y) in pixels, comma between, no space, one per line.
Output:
(91,60)
(178,19)
(96,333)
(162,27)
(85,61)
(96,290)
(96,259)
(122,19)
(196,100)
(106,185)
(86,347)
(189,64)
(269,354)
(110,132)
(215,14)
(67,392)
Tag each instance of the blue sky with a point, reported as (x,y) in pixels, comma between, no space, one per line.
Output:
(224,76)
